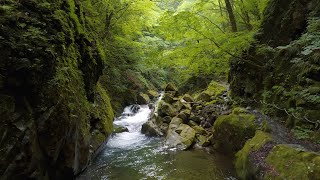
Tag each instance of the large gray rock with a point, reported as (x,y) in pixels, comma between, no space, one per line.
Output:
(151,129)
(180,135)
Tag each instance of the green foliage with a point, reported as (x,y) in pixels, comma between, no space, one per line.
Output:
(302,133)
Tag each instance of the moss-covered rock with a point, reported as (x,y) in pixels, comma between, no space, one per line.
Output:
(181,136)
(165,109)
(143,99)
(150,128)
(290,162)
(230,132)
(213,90)
(153,94)
(168,98)
(171,87)
(248,166)
(119,129)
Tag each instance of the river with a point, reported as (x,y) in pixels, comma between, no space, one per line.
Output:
(133,156)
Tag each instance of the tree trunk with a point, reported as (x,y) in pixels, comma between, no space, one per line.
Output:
(231,16)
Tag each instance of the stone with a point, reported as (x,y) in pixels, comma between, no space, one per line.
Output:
(202,140)
(153,94)
(230,132)
(151,129)
(168,98)
(199,130)
(143,99)
(119,129)
(181,137)
(188,98)
(166,109)
(170,87)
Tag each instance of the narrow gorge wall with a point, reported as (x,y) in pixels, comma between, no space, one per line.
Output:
(54,112)
(282,71)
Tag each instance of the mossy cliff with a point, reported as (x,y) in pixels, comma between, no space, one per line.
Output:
(54,112)
(281,73)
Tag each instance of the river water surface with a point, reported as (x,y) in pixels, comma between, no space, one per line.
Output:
(133,156)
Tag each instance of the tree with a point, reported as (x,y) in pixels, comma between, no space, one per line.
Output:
(232,18)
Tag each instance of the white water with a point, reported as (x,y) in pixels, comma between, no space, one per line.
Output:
(133,138)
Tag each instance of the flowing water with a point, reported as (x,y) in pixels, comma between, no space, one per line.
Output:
(133,156)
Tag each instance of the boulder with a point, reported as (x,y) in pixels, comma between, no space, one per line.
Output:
(245,161)
(262,158)
(168,98)
(188,98)
(143,99)
(202,140)
(230,132)
(153,94)
(151,129)
(166,109)
(170,87)
(199,130)
(182,137)
(119,129)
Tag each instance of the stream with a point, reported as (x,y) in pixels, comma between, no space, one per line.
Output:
(133,156)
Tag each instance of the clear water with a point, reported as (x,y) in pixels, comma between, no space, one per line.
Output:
(133,156)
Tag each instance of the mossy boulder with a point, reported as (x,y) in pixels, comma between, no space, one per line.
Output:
(292,162)
(170,87)
(153,94)
(249,161)
(165,109)
(143,99)
(168,98)
(188,98)
(213,90)
(202,140)
(230,132)
(150,128)
(181,137)
(119,129)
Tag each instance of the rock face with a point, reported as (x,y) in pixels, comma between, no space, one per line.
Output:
(282,67)
(54,111)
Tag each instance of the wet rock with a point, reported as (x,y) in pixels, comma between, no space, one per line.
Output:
(151,129)
(119,129)
(143,99)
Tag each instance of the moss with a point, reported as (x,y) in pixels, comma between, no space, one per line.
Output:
(230,132)
(212,92)
(239,110)
(292,163)
(244,167)
(103,110)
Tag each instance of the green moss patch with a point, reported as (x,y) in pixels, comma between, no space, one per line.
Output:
(230,132)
